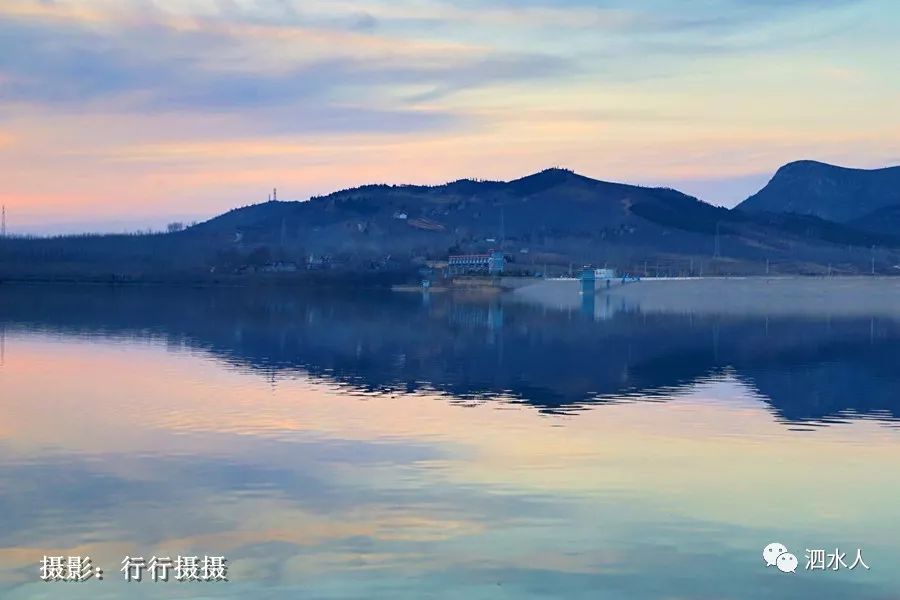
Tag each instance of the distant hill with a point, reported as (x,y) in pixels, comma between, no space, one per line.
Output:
(827,191)
(554,216)
(551,210)
(551,221)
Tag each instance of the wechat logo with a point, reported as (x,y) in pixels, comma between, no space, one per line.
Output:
(777,555)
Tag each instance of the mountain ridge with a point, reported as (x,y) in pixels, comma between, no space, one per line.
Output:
(548,220)
(556,213)
(832,192)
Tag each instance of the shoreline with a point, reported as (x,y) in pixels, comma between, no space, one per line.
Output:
(506,283)
(823,296)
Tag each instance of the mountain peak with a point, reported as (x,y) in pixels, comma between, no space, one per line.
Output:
(804,164)
(828,191)
(816,166)
(553,173)
(546,179)
(558,171)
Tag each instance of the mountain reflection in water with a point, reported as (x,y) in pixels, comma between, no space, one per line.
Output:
(809,368)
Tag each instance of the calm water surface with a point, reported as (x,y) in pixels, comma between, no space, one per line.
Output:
(400,446)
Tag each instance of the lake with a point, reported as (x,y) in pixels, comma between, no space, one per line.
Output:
(375,445)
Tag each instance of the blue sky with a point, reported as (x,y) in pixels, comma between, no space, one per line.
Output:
(129,113)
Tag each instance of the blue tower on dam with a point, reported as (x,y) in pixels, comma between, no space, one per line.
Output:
(588,281)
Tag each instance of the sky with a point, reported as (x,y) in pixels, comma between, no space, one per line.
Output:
(125,114)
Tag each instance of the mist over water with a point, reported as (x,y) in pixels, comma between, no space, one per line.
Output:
(367,444)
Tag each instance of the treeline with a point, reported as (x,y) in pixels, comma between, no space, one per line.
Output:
(181,256)
(125,255)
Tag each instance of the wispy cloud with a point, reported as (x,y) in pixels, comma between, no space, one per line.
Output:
(204,101)
(342,81)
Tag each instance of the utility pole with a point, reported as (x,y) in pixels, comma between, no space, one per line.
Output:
(3,225)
